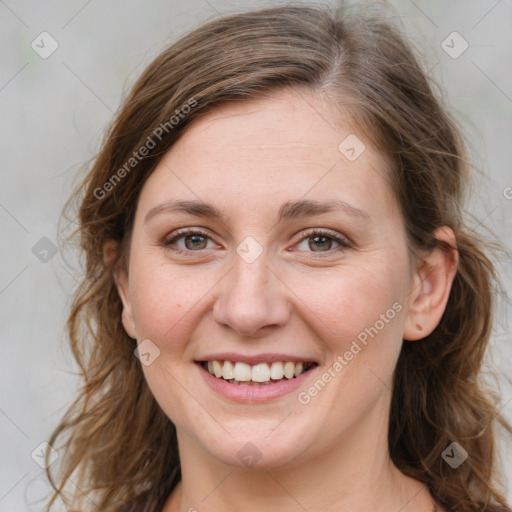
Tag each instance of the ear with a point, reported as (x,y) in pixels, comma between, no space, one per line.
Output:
(431,287)
(110,250)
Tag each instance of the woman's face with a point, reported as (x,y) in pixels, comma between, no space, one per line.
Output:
(306,262)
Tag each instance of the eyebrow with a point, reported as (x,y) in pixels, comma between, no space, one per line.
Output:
(289,210)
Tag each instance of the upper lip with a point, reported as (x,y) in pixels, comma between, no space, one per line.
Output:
(256,358)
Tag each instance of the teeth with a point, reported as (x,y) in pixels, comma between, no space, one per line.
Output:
(217,369)
(276,371)
(228,370)
(289,370)
(262,373)
(242,372)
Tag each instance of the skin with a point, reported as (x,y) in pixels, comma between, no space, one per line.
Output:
(247,159)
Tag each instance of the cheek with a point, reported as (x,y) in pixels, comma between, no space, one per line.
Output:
(344,305)
(358,316)
(166,304)
(163,302)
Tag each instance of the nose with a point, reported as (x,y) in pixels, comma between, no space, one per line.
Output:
(252,298)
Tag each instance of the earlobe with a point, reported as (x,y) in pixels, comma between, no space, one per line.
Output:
(121,279)
(431,287)
(110,249)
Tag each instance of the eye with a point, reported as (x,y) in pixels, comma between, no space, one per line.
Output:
(322,241)
(188,240)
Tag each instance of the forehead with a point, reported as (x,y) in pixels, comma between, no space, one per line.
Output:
(285,122)
(260,153)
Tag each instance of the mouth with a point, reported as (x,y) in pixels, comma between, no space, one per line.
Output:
(239,373)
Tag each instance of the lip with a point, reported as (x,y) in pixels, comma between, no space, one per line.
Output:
(254,394)
(256,358)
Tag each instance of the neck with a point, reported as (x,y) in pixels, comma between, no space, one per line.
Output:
(357,476)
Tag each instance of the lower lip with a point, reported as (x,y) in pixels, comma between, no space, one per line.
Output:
(254,393)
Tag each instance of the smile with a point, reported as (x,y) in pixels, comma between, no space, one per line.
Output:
(239,373)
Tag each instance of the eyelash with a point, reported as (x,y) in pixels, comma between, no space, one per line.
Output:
(343,242)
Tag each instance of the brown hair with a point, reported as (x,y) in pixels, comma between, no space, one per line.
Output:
(120,450)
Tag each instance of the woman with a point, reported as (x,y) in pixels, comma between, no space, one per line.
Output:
(284,307)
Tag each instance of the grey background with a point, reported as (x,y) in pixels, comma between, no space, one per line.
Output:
(53,113)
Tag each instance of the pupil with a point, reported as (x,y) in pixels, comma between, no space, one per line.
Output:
(196,241)
(322,240)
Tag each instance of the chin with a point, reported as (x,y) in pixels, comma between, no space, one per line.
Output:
(260,448)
